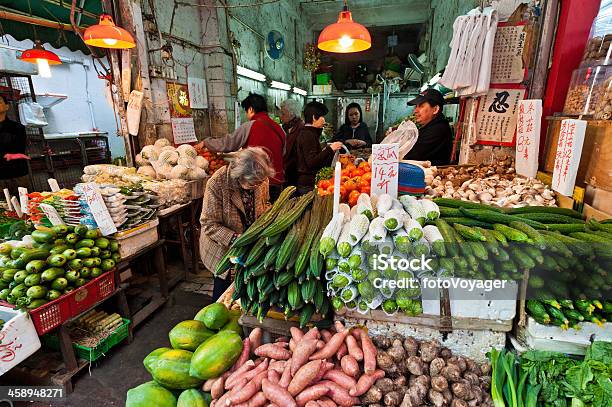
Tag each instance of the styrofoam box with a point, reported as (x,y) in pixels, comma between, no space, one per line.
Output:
(496,304)
(18,337)
(135,239)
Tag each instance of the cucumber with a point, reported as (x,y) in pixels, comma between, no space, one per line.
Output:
(456,203)
(538,310)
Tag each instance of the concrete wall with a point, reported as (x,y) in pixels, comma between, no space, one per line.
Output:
(79,81)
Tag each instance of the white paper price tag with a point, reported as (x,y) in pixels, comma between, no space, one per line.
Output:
(7,196)
(23,199)
(53,184)
(51,214)
(528,137)
(385,169)
(94,199)
(567,158)
(16,206)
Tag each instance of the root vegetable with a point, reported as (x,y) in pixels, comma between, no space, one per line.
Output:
(384,361)
(248,365)
(397,351)
(476,393)
(327,402)
(424,381)
(285,377)
(341,378)
(486,368)
(402,368)
(339,395)
(312,403)
(349,366)
(458,403)
(415,366)
(258,400)
(385,384)
(284,345)
(249,375)
(278,365)
(374,395)
(292,345)
(448,396)
(382,341)
(218,387)
(342,351)
(461,390)
(255,339)
(472,378)
(459,362)
(273,376)
(331,347)
(452,373)
(414,397)
(282,339)
(356,332)
(485,382)
(365,382)
(208,384)
(223,399)
(277,394)
(296,334)
(446,353)
(436,366)
(353,348)
(326,335)
(303,350)
(411,346)
(273,351)
(311,393)
(473,367)
(246,392)
(312,334)
(304,376)
(392,399)
(429,350)
(320,344)
(325,367)
(369,352)
(439,383)
(435,398)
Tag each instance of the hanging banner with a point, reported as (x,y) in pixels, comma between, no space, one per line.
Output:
(385,169)
(528,137)
(183,130)
(497,114)
(507,61)
(567,158)
(197,93)
(134,108)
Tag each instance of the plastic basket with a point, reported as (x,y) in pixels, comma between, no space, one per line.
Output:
(93,354)
(411,179)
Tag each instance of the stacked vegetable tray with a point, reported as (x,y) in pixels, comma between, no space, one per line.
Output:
(277,261)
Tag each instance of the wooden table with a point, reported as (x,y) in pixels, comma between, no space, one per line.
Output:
(185,218)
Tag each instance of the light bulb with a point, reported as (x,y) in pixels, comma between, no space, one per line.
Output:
(43,68)
(110,41)
(345,41)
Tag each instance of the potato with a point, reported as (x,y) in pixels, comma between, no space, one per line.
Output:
(446,353)
(382,342)
(384,361)
(392,399)
(415,366)
(473,367)
(436,366)
(385,384)
(411,346)
(400,382)
(439,383)
(374,395)
(451,373)
(429,350)
(397,352)
(472,378)
(485,382)
(461,390)
(448,396)
(435,398)
(458,403)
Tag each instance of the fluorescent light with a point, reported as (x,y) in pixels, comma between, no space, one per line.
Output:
(299,91)
(247,73)
(280,85)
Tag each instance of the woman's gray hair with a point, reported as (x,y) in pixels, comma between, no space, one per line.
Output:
(292,106)
(250,165)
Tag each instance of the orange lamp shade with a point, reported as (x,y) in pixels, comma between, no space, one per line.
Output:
(32,55)
(344,36)
(106,34)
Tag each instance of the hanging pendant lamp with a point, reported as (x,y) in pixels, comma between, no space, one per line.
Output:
(345,35)
(41,57)
(106,34)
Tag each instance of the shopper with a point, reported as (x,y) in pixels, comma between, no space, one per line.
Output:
(435,140)
(234,197)
(13,165)
(354,132)
(258,131)
(293,125)
(310,157)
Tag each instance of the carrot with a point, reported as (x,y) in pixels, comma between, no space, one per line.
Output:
(255,339)
(244,355)
(246,392)
(327,402)
(342,351)
(353,348)
(325,367)
(365,382)
(273,351)
(238,373)
(340,395)
(311,393)
(326,335)
(296,334)
(349,366)
(277,394)
(286,377)
(312,334)
(303,350)
(341,378)
(331,347)
(273,376)
(303,377)
(369,353)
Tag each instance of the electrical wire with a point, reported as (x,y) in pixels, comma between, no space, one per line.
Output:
(261,3)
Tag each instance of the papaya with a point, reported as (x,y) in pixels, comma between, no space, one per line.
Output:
(189,335)
(191,398)
(215,356)
(150,394)
(152,357)
(214,316)
(171,370)
(232,325)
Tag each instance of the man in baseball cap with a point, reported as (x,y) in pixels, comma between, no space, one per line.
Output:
(435,140)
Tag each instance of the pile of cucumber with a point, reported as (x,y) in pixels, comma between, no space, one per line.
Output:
(61,259)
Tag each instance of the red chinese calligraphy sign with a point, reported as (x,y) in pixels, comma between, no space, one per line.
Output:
(497,115)
(567,157)
(385,169)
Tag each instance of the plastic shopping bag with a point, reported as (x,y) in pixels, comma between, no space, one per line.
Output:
(406,135)
(32,114)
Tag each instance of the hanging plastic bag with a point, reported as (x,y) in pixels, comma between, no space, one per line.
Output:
(406,135)
(32,114)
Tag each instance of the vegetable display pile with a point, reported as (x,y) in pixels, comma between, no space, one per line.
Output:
(355,179)
(49,263)
(354,238)
(277,261)
(202,348)
(421,373)
(314,368)
(215,160)
(94,326)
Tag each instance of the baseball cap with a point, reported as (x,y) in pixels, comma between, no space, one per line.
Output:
(432,96)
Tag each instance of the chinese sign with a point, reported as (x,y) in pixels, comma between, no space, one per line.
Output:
(497,115)
(23,199)
(100,213)
(507,61)
(178,96)
(567,158)
(197,93)
(183,130)
(385,169)
(51,214)
(528,137)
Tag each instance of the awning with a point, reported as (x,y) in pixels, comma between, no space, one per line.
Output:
(55,11)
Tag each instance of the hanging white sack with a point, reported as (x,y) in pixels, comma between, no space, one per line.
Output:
(32,114)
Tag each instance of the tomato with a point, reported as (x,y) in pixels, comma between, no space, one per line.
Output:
(345,173)
(367,176)
(350,167)
(352,198)
(343,192)
(364,183)
(365,190)
(321,191)
(344,179)
(363,164)
(350,185)
(324,183)
(358,172)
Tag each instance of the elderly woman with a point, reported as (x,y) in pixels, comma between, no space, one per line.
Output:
(293,125)
(234,197)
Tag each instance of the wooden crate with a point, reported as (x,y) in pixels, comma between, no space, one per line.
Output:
(599,172)
(272,328)
(599,199)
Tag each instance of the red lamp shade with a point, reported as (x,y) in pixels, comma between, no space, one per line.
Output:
(106,34)
(32,55)
(344,36)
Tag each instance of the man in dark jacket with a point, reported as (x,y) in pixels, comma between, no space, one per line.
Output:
(435,142)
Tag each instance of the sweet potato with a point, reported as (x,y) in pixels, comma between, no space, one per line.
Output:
(221,402)
(304,349)
(331,347)
(311,393)
(218,387)
(339,326)
(339,394)
(356,332)
(248,375)
(320,344)
(349,366)
(353,348)
(273,351)
(312,403)
(327,402)
(244,355)
(245,393)
(258,400)
(277,394)
(325,367)
(278,365)
(369,353)
(248,365)
(365,382)
(292,345)
(286,377)
(255,339)
(312,334)
(282,339)
(296,334)
(304,376)
(341,378)
(326,335)
(273,376)
(208,384)
(342,351)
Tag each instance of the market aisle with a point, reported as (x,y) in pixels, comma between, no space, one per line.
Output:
(112,377)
